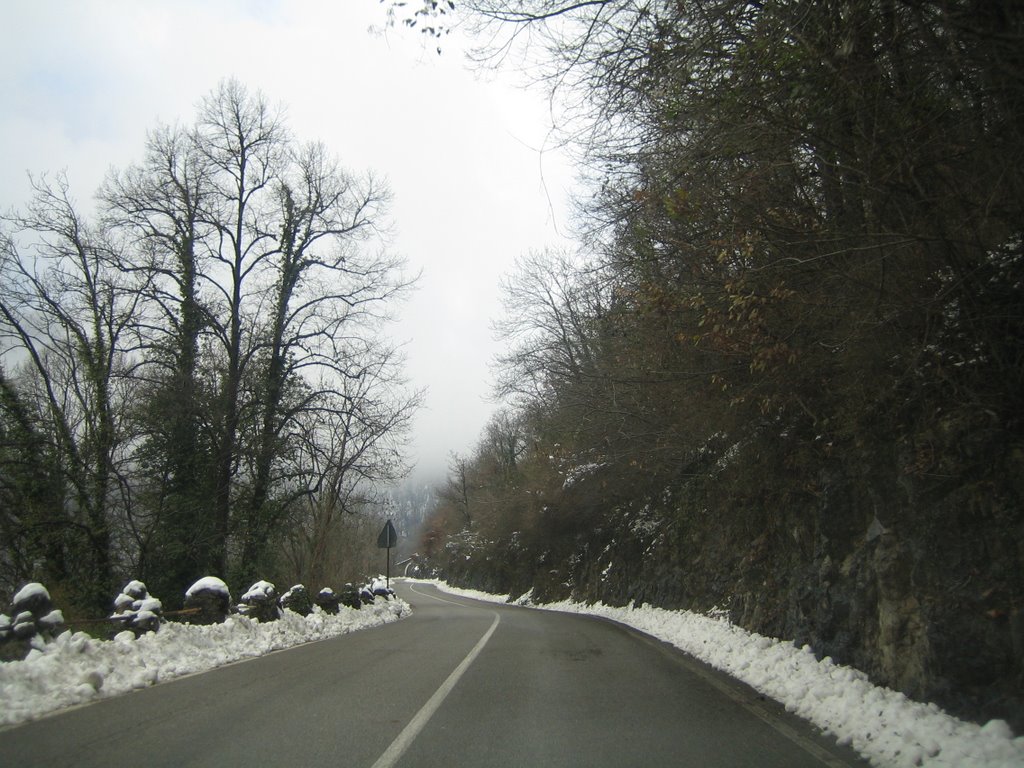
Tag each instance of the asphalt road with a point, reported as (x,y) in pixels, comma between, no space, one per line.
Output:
(459,683)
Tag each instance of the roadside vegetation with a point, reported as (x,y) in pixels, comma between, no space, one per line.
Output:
(782,373)
(193,374)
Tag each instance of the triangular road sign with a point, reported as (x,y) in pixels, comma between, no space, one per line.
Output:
(388,537)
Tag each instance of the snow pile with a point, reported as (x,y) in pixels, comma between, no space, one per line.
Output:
(883,725)
(75,668)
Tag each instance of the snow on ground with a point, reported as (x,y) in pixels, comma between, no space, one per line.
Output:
(75,668)
(883,725)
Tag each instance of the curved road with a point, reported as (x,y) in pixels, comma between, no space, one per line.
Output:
(459,683)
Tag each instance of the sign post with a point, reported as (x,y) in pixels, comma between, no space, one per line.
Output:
(387,539)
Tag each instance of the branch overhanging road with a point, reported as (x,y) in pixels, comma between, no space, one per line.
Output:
(459,683)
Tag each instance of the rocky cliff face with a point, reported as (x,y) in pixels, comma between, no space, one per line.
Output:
(915,578)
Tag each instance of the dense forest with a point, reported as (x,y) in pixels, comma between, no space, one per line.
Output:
(193,374)
(783,373)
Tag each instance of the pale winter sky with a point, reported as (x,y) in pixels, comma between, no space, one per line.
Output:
(81,81)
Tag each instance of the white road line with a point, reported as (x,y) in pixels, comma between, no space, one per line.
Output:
(420,719)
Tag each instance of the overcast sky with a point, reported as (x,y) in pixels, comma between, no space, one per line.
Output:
(81,81)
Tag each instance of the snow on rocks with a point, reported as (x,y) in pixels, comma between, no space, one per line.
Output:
(883,725)
(74,668)
(34,621)
(32,597)
(260,602)
(297,600)
(209,584)
(261,591)
(136,610)
(211,599)
(350,596)
(379,587)
(327,601)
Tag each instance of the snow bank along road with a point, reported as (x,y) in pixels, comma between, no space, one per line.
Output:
(460,683)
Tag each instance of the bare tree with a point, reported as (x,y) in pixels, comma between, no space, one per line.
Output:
(270,279)
(244,142)
(552,305)
(68,314)
(160,206)
(325,292)
(349,447)
(457,490)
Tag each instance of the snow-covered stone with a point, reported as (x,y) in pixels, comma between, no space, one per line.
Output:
(32,597)
(260,602)
(136,610)
(261,590)
(52,621)
(327,600)
(135,590)
(34,617)
(211,600)
(380,588)
(350,596)
(297,600)
(211,585)
(123,602)
(24,626)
